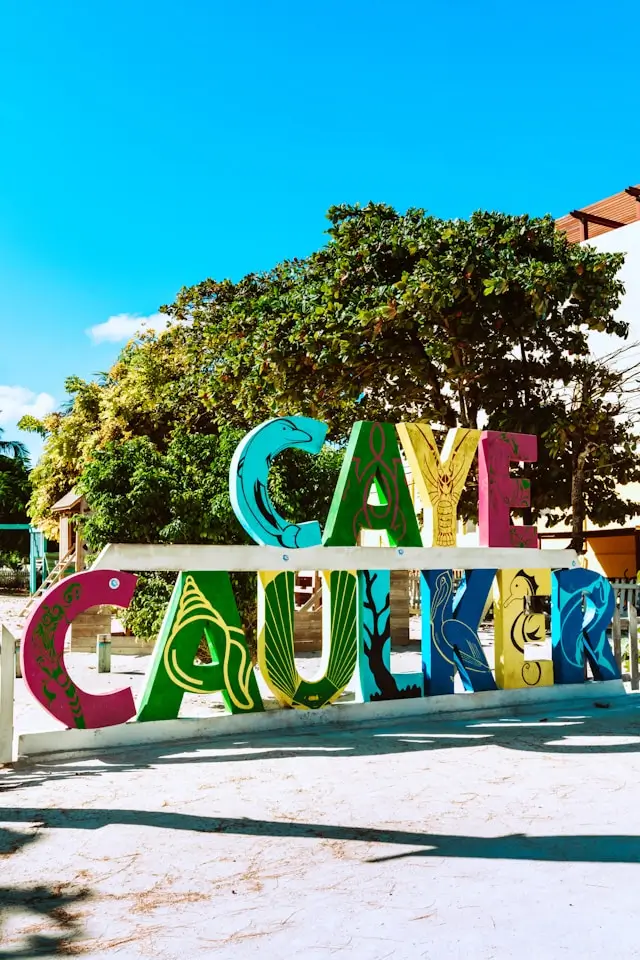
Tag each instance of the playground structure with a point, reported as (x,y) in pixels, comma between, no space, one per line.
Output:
(44,570)
(71,548)
(38,561)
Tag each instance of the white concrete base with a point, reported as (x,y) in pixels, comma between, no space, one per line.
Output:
(297,721)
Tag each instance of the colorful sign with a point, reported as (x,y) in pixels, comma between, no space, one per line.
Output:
(357,602)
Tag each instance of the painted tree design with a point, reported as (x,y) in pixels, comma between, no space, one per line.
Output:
(379,634)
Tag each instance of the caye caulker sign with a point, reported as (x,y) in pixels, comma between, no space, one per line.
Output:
(356,600)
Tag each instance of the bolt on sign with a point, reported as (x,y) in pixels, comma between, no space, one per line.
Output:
(356,584)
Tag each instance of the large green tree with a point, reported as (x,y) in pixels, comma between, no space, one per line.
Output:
(479,322)
(590,443)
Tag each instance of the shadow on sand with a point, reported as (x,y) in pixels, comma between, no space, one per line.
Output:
(567,848)
(50,907)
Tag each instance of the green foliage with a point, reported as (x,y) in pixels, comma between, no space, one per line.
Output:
(146,393)
(15,490)
(479,322)
(13,449)
(429,319)
(144,614)
(32,425)
(12,560)
(593,440)
(138,493)
(302,486)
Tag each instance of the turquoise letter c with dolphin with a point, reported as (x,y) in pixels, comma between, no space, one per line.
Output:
(249,481)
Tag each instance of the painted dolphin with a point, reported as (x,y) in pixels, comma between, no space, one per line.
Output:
(249,480)
(577,631)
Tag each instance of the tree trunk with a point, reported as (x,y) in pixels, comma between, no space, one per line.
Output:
(578,505)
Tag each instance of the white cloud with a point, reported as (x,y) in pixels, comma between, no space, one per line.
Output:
(124,326)
(16,402)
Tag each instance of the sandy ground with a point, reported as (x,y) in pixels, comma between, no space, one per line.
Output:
(450,841)
(470,840)
(10,606)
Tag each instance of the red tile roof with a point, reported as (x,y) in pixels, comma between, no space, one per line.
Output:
(621,207)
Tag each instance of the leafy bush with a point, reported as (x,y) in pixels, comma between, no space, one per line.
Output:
(147,608)
(139,493)
(12,560)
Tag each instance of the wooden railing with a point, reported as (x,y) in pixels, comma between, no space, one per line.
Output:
(414,593)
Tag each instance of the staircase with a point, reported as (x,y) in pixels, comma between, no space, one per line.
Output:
(54,576)
(306,585)
(313,603)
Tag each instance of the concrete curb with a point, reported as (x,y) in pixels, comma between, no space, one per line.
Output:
(455,706)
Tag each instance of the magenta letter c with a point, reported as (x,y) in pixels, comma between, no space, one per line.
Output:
(42,656)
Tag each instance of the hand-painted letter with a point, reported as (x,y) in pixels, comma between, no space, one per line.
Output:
(516,625)
(43,666)
(440,479)
(578,633)
(249,480)
(377,682)
(372,457)
(450,631)
(498,493)
(275,639)
(201,604)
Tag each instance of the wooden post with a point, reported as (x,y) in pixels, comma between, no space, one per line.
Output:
(18,668)
(616,632)
(633,643)
(7,670)
(103,648)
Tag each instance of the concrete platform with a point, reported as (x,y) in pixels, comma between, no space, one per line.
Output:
(478,839)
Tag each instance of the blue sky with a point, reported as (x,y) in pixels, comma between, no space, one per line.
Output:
(148,145)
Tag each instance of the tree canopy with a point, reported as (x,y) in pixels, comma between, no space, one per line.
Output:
(478,322)
(403,316)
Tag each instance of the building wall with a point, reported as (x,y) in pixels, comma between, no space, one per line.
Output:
(624,240)
(615,556)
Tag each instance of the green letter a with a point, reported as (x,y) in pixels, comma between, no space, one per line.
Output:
(201,603)
(372,456)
